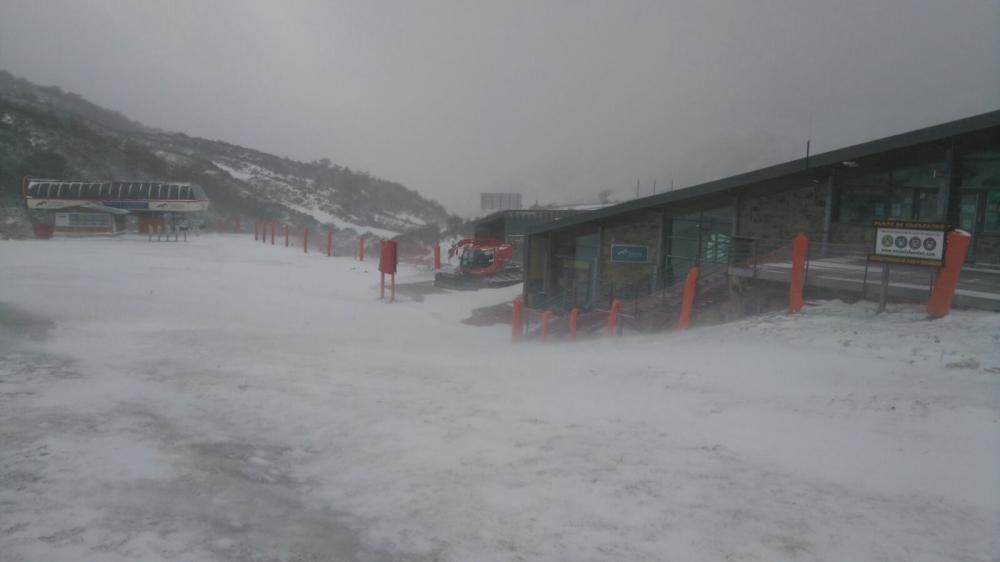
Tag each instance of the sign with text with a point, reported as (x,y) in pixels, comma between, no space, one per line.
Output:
(627,253)
(909,242)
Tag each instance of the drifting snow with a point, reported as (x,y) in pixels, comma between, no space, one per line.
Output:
(327,218)
(286,189)
(224,400)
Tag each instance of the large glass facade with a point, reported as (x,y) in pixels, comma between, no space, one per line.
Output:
(980,204)
(903,193)
(695,238)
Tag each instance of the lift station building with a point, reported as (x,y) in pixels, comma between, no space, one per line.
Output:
(86,208)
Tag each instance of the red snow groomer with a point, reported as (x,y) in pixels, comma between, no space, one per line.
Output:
(482,262)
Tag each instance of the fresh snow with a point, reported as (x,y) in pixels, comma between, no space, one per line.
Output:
(281,188)
(327,218)
(225,400)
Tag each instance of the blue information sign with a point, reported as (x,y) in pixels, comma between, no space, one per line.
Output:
(626,253)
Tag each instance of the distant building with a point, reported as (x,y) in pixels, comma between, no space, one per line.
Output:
(511,225)
(85,208)
(492,202)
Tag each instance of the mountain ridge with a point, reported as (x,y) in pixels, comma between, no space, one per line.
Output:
(48,132)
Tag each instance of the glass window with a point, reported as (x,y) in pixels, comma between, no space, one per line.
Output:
(901,203)
(858,178)
(89,219)
(991,221)
(981,170)
(925,175)
(926,202)
(860,205)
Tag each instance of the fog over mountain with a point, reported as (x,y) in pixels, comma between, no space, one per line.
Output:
(556,99)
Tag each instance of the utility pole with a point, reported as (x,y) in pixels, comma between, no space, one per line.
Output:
(637,189)
(654,186)
(808,142)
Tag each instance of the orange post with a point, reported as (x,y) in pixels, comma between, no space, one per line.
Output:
(613,317)
(687,301)
(800,249)
(286,235)
(939,304)
(572,323)
(546,318)
(329,243)
(517,320)
(361,248)
(437,257)
(305,242)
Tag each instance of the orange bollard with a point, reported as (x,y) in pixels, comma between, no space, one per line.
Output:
(437,257)
(572,324)
(687,301)
(329,243)
(546,318)
(517,320)
(613,317)
(286,235)
(800,249)
(305,242)
(939,304)
(361,249)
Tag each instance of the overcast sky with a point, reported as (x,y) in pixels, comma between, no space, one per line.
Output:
(555,99)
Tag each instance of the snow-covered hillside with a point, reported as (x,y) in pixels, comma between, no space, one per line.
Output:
(45,132)
(225,400)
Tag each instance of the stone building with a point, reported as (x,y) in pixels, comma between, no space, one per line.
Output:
(946,173)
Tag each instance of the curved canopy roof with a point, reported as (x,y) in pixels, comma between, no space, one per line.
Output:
(113,190)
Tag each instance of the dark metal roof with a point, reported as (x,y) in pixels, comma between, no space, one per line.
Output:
(524,219)
(936,133)
(525,213)
(113,190)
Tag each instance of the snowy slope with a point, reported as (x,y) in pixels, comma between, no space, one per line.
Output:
(304,195)
(45,132)
(222,400)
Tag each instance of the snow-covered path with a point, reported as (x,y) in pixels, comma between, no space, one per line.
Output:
(225,400)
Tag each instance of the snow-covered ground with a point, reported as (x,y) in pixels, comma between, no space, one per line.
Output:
(225,400)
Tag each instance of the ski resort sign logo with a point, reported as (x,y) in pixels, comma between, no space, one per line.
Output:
(909,242)
(627,253)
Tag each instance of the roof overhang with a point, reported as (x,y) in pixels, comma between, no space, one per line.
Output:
(938,133)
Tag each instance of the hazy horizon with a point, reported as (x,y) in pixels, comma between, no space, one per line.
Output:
(556,100)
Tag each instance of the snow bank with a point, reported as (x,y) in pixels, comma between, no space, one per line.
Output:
(225,400)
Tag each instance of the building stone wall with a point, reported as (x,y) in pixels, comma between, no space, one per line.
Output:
(642,228)
(782,215)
